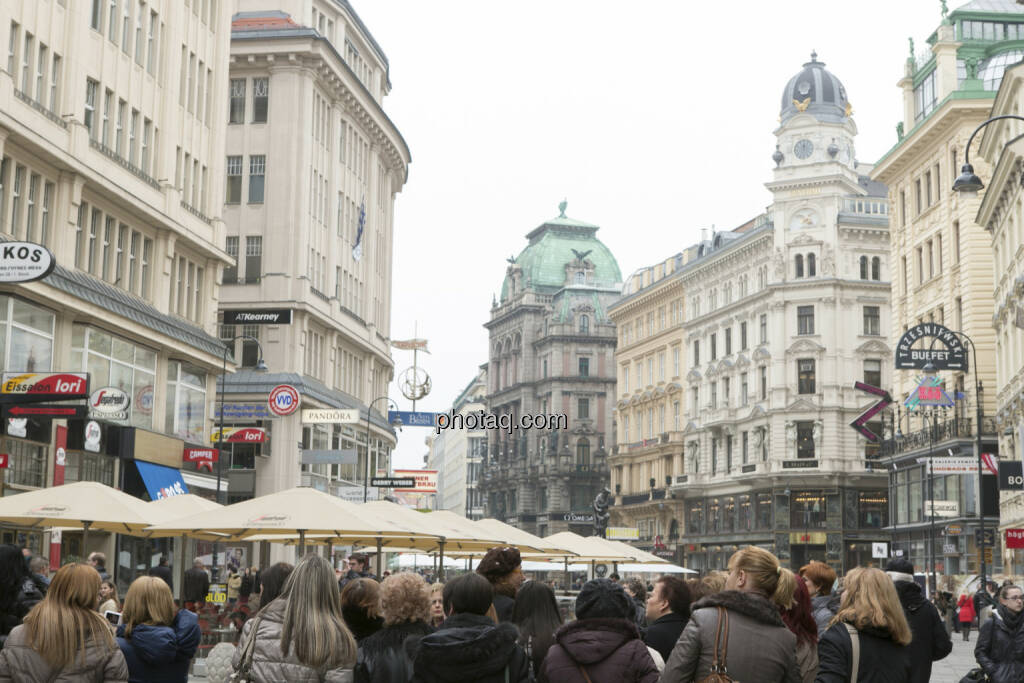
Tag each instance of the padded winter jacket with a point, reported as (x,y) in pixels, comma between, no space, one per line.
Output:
(19,663)
(382,656)
(468,647)
(161,654)
(608,649)
(15,609)
(760,647)
(268,664)
(930,641)
(1000,649)
(882,660)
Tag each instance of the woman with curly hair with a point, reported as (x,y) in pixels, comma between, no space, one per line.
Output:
(405,605)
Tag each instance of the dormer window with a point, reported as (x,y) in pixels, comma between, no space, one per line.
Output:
(581,277)
(584,324)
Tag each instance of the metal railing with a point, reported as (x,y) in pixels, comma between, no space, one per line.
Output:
(195,212)
(41,108)
(953,428)
(114,156)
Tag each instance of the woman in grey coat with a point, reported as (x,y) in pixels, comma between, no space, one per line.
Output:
(759,647)
(301,636)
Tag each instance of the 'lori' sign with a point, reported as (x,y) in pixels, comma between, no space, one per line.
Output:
(945,352)
(25,262)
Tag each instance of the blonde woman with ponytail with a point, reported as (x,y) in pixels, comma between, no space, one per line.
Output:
(758,645)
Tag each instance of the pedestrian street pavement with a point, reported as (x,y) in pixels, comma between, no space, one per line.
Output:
(958,663)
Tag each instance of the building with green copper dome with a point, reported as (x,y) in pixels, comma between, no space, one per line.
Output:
(551,352)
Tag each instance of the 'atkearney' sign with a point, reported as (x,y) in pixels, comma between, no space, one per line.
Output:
(260,316)
(948,354)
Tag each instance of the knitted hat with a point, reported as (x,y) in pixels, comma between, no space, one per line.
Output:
(499,561)
(900,569)
(603,598)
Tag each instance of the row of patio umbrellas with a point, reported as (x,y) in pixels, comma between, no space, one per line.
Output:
(302,515)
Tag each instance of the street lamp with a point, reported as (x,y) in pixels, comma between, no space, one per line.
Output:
(930,371)
(967,182)
(260,367)
(397,423)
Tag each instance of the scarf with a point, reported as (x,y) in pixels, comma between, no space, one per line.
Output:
(1010,618)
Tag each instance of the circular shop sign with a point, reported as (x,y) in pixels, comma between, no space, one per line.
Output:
(283,400)
(25,261)
(109,402)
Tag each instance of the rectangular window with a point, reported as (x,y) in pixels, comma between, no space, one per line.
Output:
(956,241)
(260,99)
(928,188)
(583,408)
(55,77)
(133,266)
(234,180)
(108,240)
(805,319)
(906,280)
(257,169)
(873,372)
(191,86)
(714,395)
(133,131)
(30,207)
(714,346)
(728,341)
(90,106)
(147,258)
(139,45)
(96,16)
(805,376)
(12,48)
(83,212)
(872,320)
(19,181)
(122,108)
(675,362)
(122,239)
(200,99)
(696,352)
(151,44)
(253,258)
(40,92)
(112,21)
(126,27)
(931,259)
(230,273)
(48,191)
(26,60)
(805,439)
(108,111)
(95,226)
(744,390)
(917,196)
(743,336)
(764,382)
(764,328)
(584,367)
(147,134)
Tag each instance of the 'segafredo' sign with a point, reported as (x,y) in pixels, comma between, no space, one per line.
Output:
(109,402)
(25,262)
(43,386)
(241,435)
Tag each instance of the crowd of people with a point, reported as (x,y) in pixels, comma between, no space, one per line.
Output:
(759,621)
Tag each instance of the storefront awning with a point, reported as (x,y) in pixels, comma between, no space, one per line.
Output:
(160,481)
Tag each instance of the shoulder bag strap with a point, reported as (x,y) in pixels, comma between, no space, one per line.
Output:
(718,660)
(724,640)
(250,650)
(583,671)
(855,643)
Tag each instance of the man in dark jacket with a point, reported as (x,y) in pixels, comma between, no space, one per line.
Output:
(502,567)
(164,572)
(468,646)
(358,568)
(668,610)
(1000,648)
(930,641)
(99,562)
(197,585)
(603,641)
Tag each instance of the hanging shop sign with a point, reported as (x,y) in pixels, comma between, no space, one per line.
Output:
(36,387)
(109,403)
(619,533)
(950,354)
(425,481)
(283,400)
(200,455)
(1015,538)
(860,424)
(330,416)
(92,434)
(240,435)
(25,262)
(954,529)
(1011,475)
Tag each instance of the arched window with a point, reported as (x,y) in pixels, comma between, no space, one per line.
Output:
(580,277)
(799,265)
(584,324)
(810,265)
(863,267)
(583,452)
(876,268)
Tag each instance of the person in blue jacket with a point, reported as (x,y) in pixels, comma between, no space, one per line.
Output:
(157,643)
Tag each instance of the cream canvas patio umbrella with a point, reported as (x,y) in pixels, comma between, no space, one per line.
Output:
(174,507)
(587,548)
(526,542)
(297,511)
(83,505)
(640,556)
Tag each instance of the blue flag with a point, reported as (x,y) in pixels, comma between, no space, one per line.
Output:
(357,248)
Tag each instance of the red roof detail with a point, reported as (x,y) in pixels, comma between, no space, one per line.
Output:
(263,23)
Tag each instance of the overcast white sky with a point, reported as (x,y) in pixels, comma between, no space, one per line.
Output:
(654,120)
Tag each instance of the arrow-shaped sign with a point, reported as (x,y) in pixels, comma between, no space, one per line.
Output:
(45,411)
(860,423)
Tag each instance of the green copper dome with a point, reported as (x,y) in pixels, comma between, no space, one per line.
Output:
(558,250)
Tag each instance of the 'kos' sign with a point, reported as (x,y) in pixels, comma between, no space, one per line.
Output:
(25,262)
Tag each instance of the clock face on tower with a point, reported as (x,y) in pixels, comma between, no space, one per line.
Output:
(803,148)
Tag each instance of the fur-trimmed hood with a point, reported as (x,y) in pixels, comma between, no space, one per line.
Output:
(753,605)
(591,640)
(910,594)
(466,647)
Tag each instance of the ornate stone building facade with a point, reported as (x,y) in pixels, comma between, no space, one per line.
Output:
(781,317)
(943,270)
(551,353)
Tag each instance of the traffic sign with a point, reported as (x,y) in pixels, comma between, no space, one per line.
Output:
(860,424)
(330,416)
(40,410)
(393,482)
(283,400)
(413,419)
